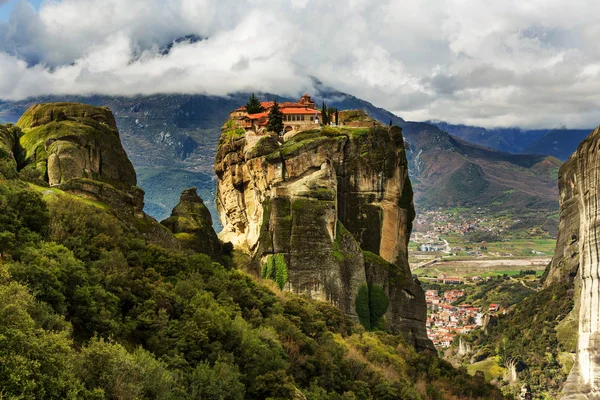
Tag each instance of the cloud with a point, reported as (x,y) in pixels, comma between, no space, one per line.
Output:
(495,63)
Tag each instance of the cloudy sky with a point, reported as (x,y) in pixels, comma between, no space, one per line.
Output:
(528,63)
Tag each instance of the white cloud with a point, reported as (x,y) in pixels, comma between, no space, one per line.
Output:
(492,63)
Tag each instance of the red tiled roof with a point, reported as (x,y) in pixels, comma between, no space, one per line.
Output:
(258,115)
(302,104)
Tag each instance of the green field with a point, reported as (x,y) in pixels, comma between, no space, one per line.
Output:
(489,367)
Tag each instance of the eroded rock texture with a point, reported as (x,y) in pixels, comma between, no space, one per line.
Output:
(191,224)
(76,148)
(577,255)
(337,203)
(71,140)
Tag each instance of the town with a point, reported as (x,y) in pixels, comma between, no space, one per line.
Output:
(446,318)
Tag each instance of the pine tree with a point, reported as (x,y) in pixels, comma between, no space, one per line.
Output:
(324,116)
(390,123)
(253,106)
(336,117)
(275,123)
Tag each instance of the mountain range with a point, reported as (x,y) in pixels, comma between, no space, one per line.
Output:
(172,139)
(559,142)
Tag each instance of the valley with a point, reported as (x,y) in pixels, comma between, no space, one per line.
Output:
(301,200)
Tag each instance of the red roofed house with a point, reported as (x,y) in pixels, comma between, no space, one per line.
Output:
(296,116)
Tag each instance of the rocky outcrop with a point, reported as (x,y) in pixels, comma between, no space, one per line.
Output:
(577,256)
(76,148)
(191,223)
(336,203)
(67,141)
(565,263)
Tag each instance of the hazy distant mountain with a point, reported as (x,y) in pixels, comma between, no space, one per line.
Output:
(171,140)
(559,143)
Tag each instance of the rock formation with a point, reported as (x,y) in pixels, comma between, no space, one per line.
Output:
(336,203)
(70,140)
(191,224)
(576,258)
(76,148)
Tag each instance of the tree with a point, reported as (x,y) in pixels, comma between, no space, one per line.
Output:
(324,115)
(275,123)
(253,106)
(390,122)
(336,116)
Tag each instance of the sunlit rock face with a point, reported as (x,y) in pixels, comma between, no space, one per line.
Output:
(578,253)
(337,204)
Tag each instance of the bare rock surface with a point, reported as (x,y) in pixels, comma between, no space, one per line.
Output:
(577,257)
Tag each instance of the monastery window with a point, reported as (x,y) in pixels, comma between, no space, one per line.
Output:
(303,118)
(312,118)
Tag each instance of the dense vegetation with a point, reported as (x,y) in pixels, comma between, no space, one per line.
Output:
(89,310)
(530,339)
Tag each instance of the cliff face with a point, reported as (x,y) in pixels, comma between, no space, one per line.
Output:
(577,256)
(334,206)
(565,262)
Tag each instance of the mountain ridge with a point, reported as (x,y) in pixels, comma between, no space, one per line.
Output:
(179,133)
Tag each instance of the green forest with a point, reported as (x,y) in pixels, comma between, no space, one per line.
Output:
(90,310)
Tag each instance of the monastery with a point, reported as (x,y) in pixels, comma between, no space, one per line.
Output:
(298,116)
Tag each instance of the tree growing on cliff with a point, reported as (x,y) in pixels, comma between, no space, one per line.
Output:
(275,123)
(253,106)
(324,116)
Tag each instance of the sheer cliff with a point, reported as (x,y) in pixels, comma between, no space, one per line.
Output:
(576,258)
(327,213)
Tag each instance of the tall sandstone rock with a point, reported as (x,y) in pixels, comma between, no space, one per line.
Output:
(577,259)
(337,204)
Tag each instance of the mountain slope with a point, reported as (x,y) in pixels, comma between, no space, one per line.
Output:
(560,143)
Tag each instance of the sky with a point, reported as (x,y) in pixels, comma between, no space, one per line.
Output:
(493,63)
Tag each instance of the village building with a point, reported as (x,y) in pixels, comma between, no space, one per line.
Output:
(298,116)
(452,281)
